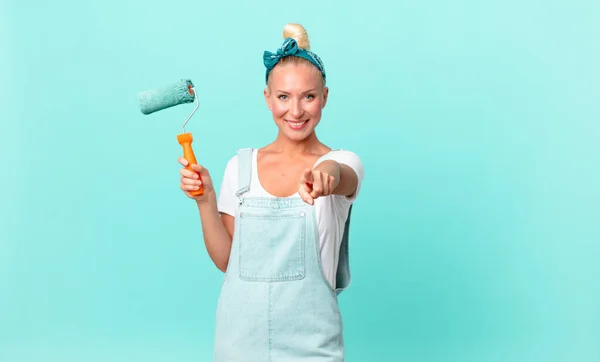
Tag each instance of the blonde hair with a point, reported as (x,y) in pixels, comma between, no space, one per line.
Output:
(299,34)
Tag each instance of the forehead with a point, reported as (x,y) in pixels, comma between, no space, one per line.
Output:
(295,76)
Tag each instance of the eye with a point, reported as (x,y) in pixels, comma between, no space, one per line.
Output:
(310,96)
(282,97)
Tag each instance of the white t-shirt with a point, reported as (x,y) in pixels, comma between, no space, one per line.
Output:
(331,211)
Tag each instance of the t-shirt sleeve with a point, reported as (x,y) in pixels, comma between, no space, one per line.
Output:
(351,160)
(226,202)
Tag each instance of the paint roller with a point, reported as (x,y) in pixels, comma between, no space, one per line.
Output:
(167,96)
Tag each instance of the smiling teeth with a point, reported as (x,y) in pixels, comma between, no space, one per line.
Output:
(297,124)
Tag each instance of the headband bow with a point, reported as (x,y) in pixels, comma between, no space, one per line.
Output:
(289,48)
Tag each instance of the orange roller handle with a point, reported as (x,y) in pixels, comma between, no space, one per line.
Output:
(185,140)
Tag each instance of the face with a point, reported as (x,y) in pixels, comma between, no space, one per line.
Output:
(296,97)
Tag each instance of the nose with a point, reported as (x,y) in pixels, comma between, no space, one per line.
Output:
(296,109)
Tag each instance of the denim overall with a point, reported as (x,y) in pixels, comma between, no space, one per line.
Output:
(275,303)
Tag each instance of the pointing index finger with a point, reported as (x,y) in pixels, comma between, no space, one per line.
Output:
(308,176)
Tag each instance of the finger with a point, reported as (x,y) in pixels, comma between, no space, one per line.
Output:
(325,184)
(317,188)
(190,181)
(307,176)
(326,190)
(331,184)
(182,161)
(306,186)
(189,174)
(303,192)
(186,187)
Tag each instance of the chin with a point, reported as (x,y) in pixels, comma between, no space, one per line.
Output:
(297,133)
(297,136)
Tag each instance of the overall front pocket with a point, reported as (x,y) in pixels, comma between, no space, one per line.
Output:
(272,246)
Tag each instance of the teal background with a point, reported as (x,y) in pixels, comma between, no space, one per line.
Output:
(476,236)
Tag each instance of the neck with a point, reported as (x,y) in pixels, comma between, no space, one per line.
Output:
(288,147)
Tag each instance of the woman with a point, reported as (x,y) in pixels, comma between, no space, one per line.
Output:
(279,227)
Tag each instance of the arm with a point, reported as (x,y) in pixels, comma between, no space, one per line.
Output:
(216,229)
(328,178)
(345,179)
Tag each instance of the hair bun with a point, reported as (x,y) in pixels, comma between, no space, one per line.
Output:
(298,33)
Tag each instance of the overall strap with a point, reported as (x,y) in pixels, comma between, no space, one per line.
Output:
(343,275)
(244,170)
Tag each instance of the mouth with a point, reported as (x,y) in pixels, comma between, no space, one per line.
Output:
(297,125)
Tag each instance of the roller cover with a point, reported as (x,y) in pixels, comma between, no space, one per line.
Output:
(166,96)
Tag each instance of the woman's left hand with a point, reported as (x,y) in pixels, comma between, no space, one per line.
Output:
(315,183)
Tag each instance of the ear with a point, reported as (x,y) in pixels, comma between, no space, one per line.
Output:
(325,95)
(267,94)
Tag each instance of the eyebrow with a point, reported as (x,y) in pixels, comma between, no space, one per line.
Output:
(308,91)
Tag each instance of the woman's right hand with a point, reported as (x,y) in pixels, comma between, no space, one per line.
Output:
(190,181)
